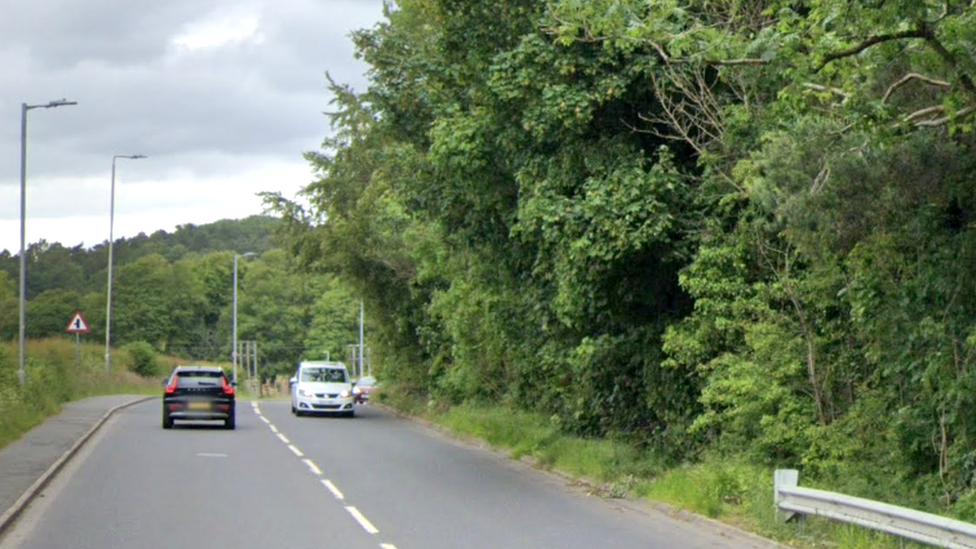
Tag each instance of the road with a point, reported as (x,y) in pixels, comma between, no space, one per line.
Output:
(376,481)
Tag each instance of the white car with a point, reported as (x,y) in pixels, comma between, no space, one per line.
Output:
(322,388)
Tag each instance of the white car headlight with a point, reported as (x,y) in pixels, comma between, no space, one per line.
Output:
(305,393)
(345,393)
(357,391)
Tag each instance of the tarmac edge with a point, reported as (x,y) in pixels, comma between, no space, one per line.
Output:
(724,529)
(10,515)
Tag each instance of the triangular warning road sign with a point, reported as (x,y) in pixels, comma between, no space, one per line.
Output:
(78,325)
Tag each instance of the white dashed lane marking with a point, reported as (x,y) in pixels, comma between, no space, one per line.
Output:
(355,513)
(312,467)
(332,488)
(363,521)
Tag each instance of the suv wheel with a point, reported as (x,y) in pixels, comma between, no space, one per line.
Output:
(167,422)
(230,422)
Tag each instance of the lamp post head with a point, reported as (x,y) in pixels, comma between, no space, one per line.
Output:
(50,104)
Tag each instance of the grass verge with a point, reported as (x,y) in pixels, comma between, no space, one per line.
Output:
(58,371)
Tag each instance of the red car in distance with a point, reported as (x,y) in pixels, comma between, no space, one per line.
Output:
(363,387)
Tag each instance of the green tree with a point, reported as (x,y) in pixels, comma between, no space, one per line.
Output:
(9,316)
(274,308)
(156,302)
(49,313)
(334,320)
(215,271)
(52,266)
(497,210)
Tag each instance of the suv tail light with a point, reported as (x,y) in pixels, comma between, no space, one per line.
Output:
(171,388)
(228,389)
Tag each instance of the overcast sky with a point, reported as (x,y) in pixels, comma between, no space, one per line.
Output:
(223,96)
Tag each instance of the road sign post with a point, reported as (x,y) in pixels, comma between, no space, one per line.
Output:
(78,325)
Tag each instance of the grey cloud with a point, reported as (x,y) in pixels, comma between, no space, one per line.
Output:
(61,33)
(137,94)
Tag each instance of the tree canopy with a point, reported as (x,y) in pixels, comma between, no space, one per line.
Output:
(740,226)
(173,292)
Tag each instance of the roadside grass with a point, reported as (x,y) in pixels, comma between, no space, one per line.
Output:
(401,398)
(723,489)
(56,372)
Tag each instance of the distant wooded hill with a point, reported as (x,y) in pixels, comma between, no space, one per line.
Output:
(54,266)
(175,291)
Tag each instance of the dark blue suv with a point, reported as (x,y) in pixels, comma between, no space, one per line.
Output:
(198,393)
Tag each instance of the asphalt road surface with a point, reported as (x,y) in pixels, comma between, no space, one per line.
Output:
(279,481)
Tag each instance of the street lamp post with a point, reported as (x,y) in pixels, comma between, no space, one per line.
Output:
(111,242)
(24,107)
(360,338)
(233,352)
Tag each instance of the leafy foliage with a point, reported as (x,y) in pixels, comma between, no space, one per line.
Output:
(732,227)
(143,359)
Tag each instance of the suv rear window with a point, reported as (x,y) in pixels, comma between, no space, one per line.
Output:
(189,380)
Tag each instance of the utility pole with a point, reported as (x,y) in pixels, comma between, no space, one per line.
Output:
(360,338)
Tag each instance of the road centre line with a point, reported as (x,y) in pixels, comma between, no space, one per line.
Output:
(254,405)
(355,513)
(312,466)
(363,521)
(332,488)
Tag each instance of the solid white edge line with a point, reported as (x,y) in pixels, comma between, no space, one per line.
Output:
(363,521)
(387,546)
(273,428)
(295,451)
(264,419)
(312,466)
(332,488)
(284,438)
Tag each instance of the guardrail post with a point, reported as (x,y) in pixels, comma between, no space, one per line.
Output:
(784,478)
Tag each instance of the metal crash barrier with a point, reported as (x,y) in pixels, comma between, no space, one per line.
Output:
(899,521)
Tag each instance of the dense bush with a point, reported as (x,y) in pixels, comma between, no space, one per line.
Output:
(143,359)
